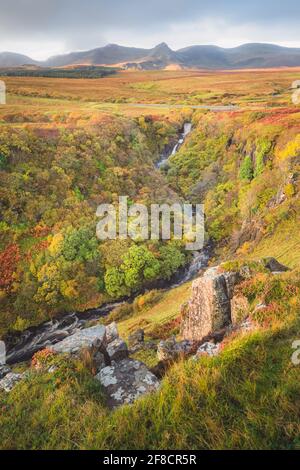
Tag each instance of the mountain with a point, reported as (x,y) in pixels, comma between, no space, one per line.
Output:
(245,56)
(262,55)
(161,57)
(108,55)
(11,59)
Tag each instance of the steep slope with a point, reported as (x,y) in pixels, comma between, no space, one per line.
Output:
(245,169)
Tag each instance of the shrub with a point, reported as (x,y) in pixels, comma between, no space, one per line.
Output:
(246,170)
(146,300)
(121,312)
(43,358)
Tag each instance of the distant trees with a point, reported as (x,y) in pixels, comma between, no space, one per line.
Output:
(171,259)
(139,267)
(79,72)
(3,161)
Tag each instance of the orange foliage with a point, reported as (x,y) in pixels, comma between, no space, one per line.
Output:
(41,357)
(40,231)
(9,259)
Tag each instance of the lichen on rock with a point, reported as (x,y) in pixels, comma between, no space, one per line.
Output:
(125,381)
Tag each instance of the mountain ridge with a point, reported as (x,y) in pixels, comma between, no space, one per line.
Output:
(249,55)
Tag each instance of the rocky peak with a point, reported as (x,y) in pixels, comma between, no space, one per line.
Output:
(161,51)
(163,46)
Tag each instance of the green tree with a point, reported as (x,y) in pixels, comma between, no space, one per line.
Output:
(263,149)
(80,244)
(3,161)
(115,282)
(246,170)
(139,265)
(171,259)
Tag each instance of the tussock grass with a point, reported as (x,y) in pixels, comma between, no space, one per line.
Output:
(284,244)
(153,318)
(246,398)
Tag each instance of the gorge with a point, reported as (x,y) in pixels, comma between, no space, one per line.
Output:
(21,347)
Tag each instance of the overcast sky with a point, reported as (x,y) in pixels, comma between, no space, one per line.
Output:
(40,28)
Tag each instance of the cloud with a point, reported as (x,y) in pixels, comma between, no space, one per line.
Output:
(45,26)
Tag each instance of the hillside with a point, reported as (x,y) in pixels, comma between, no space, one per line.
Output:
(65,151)
(161,57)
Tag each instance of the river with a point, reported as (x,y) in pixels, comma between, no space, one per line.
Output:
(21,347)
(187,127)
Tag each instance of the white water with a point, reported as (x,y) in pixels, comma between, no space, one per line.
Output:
(187,127)
(42,336)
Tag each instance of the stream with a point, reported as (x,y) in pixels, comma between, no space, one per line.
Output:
(22,346)
(187,127)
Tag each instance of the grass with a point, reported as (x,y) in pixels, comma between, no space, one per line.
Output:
(186,87)
(284,244)
(154,318)
(46,102)
(246,398)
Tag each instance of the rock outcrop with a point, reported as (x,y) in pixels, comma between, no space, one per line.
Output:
(4,370)
(136,340)
(117,350)
(112,332)
(217,303)
(125,381)
(82,339)
(296,85)
(171,350)
(239,308)
(296,97)
(10,380)
(207,349)
(209,309)
(274,266)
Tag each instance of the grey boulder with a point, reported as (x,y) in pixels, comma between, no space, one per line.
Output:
(10,380)
(4,370)
(274,266)
(136,338)
(209,309)
(117,350)
(112,332)
(83,339)
(125,381)
(171,349)
(208,349)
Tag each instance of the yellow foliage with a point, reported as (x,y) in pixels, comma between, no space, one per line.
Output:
(244,249)
(289,190)
(292,149)
(56,244)
(68,289)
